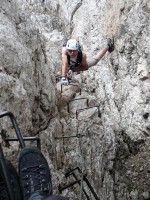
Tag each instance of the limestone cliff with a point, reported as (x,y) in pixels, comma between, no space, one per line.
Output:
(114,149)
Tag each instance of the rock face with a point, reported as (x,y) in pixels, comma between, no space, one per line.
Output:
(110,141)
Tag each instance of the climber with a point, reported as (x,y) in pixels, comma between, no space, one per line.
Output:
(74,60)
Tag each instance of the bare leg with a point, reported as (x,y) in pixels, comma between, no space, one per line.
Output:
(93,61)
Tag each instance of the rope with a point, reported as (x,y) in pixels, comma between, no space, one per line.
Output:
(81,188)
(83,163)
(83,166)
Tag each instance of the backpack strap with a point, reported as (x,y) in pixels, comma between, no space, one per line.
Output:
(79,57)
(78,62)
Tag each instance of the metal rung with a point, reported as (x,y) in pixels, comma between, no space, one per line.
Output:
(71,172)
(71,136)
(73,85)
(26,139)
(61,188)
(15,125)
(6,175)
(79,110)
(76,100)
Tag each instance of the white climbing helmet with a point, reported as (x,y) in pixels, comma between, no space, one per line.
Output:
(72,44)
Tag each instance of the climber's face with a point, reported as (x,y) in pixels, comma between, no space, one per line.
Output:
(72,53)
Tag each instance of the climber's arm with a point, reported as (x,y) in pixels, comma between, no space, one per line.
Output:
(102,52)
(64,62)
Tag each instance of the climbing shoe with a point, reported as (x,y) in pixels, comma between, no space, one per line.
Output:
(14,182)
(110,44)
(34,174)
